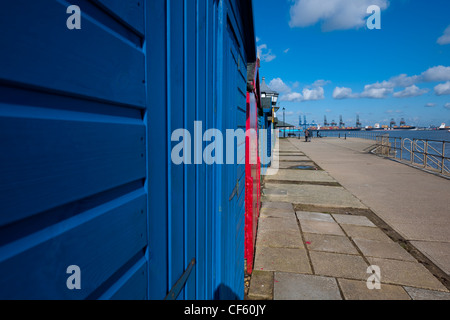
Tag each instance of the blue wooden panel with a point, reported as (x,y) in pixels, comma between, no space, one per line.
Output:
(93,62)
(158,150)
(175,106)
(129,11)
(46,163)
(34,267)
(131,286)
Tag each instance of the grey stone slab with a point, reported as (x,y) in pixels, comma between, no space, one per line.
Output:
(424,294)
(357,290)
(301,175)
(326,196)
(339,265)
(353,220)
(406,273)
(329,243)
(315,216)
(276,205)
(268,191)
(293,158)
(261,285)
(277,224)
(383,249)
(290,164)
(282,259)
(277,213)
(368,233)
(438,252)
(280,239)
(321,227)
(290,286)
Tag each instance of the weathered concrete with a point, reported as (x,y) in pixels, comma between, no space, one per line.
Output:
(353,220)
(329,243)
(321,227)
(306,255)
(301,175)
(368,233)
(261,285)
(282,259)
(383,249)
(357,290)
(291,286)
(315,216)
(414,203)
(313,194)
(406,273)
(277,239)
(423,294)
(339,265)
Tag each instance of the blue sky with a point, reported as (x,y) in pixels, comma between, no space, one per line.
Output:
(322,58)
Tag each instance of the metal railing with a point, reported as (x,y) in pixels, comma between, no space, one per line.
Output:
(424,153)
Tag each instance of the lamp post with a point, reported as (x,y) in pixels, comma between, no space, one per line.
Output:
(284,123)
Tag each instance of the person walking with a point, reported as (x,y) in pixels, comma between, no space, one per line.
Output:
(306,135)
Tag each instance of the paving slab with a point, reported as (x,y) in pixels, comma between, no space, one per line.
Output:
(261,285)
(353,220)
(357,290)
(368,233)
(291,164)
(424,294)
(321,227)
(438,252)
(301,176)
(280,239)
(293,158)
(406,273)
(383,249)
(327,196)
(282,259)
(314,216)
(277,224)
(329,243)
(276,205)
(291,286)
(339,265)
(277,213)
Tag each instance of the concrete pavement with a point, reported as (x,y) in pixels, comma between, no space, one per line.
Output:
(316,239)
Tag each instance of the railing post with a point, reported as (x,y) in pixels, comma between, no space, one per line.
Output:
(401,149)
(413,146)
(443,157)
(425,155)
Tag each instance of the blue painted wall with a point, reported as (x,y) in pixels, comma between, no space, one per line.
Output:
(86,177)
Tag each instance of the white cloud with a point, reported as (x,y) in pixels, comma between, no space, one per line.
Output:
(292,97)
(279,86)
(442,89)
(436,74)
(257,39)
(313,94)
(309,93)
(343,93)
(333,14)
(375,93)
(430,105)
(412,91)
(287,50)
(265,54)
(447,106)
(445,38)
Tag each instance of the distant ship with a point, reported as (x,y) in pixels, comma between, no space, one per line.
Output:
(392,126)
(444,127)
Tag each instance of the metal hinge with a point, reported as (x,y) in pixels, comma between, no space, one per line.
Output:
(179,285)
(235,191)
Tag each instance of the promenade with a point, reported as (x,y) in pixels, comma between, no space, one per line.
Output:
(333,209)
